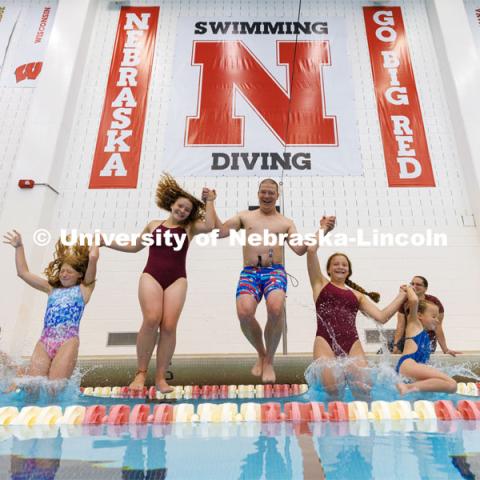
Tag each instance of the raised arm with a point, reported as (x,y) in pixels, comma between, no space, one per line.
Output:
(15,240)
(317,279)
(326,224)
(234,223)
(130,247)
(207,225)
(91,272)
(382,316)
(298,249)
(88,283)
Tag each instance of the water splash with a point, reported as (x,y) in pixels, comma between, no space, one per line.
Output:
(39,391)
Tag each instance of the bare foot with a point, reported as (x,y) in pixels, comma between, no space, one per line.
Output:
(163,386)
(139,380)
(268,374)
(258,367)
(404,388)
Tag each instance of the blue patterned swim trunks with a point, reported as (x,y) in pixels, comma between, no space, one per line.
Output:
(259,281)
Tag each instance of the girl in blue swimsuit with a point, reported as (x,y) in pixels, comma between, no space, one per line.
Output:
(423,316)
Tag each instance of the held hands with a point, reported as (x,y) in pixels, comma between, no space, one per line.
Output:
(411,294)
(13,238)
(327,224)
(208,195)
(102,242)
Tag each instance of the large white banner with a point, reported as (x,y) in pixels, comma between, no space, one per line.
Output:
(8,18)
(25,61)
(473,13)
(258,97)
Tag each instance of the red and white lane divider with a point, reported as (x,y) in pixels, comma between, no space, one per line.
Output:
(246,412)
(205,392)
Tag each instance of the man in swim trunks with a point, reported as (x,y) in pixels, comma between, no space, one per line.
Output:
(263,274)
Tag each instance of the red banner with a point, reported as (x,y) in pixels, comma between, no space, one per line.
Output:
(119,141)
(404,143)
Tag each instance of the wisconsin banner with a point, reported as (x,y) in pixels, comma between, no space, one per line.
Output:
(473,13)
(24,63)
(258,97)
(119,140)
(407,158)
(8,18)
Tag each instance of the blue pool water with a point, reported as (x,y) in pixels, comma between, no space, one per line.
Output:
(351,450)
(356,450)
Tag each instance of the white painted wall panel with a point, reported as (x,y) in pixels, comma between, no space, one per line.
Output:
(208,323)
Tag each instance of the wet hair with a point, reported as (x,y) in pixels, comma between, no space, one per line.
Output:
(423,279)
(424,304)
(269,180)
(169,191)
(76,256)
(372,295)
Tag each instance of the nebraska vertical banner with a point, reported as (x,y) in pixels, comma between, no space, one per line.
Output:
(119,141)
(24,62)
(256,97)
(404,142)
(8,19)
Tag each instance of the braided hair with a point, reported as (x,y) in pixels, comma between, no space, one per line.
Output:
(372,295)
(169,191)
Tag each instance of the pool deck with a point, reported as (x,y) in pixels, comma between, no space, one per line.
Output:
(225,369)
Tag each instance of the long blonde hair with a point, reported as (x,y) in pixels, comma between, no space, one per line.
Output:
(76,256)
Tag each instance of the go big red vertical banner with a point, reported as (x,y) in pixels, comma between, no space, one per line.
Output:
(119,141)
(405,146)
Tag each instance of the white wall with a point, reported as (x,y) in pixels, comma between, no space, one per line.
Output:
(208,323)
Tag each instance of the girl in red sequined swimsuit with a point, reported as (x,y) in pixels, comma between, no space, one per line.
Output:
(337,307)
(163,283)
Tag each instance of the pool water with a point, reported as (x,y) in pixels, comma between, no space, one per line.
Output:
(353,450)
(407,449)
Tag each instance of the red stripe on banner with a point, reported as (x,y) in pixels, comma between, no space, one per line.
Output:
(405,146)
(119,141)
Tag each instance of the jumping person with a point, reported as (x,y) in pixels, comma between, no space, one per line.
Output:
(423,316)
(69,286)
(263,274)
(420,286)
(337,301)
(163,284)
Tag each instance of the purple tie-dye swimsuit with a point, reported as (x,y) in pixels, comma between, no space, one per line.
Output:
(62,318)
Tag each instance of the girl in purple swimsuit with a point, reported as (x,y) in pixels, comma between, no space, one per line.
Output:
(69,285)
(163,283)
(337,307)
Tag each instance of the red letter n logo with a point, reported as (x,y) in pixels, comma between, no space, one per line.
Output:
(29,71)
(295,115)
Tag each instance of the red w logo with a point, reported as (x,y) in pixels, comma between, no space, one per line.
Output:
(295,115)
(29,71)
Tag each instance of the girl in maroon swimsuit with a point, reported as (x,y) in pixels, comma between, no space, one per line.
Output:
(337,307)
(163,283)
